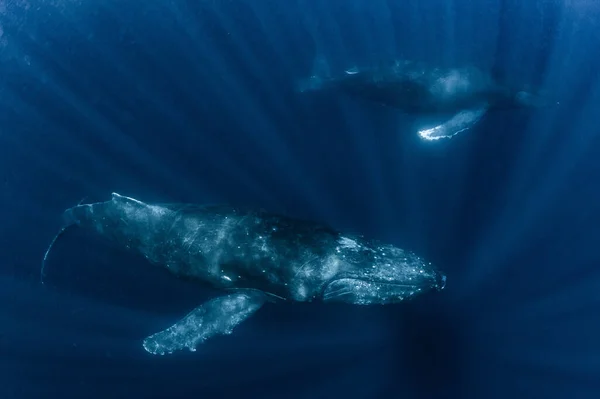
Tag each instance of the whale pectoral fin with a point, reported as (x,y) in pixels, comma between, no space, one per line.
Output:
(459,122)
(216,317)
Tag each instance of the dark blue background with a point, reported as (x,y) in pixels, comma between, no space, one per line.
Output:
(194,101)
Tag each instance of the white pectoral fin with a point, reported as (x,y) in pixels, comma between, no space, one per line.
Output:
(458,123)
(216,317)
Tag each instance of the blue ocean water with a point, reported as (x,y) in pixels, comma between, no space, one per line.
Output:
(195,101)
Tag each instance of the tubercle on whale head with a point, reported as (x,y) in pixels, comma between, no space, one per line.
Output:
(385,275)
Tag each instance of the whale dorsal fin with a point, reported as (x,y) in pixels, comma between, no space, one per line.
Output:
(118,198)
(218,316)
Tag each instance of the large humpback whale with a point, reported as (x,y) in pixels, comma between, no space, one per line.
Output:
(447,100)
(253,257)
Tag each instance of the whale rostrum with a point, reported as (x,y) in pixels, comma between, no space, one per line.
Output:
(252,257)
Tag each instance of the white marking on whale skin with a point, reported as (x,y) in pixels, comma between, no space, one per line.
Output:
(159,211)
(134,213)
(301,292)
(307,272)
(222,233)
(116,195)
(188,224)
(261,244)
(190,239)
(452,83)
(212,247)
(331,266)
(348,243)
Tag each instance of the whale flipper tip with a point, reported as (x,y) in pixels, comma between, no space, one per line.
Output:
(216,317)
(459,122)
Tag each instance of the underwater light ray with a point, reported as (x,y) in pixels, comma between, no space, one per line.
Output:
(383,27)
(535,250)
(215,65)
(554,333)
(545,195)
(75,335)
(543,128)
(367,145)
(36,155)
(325,30)
(367,167)
(579,297)
(330,45)
(282,151)
(94,120)
(518,28)
(204,56)
(361,34)
(332,39)
(247,110)
(53,155)
(511,233)
(449,32)
(304,367)
(255,68)
(72,326)
(216,152)
(277,333)
(149,96)
(351,374)
(130,77)
(565,361)
(560,87)
(217,156)
(409,174)
(421,196)
(282,14)
(399,210)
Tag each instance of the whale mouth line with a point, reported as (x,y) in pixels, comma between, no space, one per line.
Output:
(378,282)
(350,286)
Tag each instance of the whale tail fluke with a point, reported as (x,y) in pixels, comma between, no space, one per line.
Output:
(312,83)
(69,220)
(321,72)
(539,99)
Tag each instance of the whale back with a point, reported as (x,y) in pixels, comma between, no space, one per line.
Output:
(226,247)
(419,88)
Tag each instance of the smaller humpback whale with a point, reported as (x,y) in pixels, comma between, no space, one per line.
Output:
(446,100)
(253,257)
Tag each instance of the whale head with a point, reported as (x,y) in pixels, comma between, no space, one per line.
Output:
(380,274)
